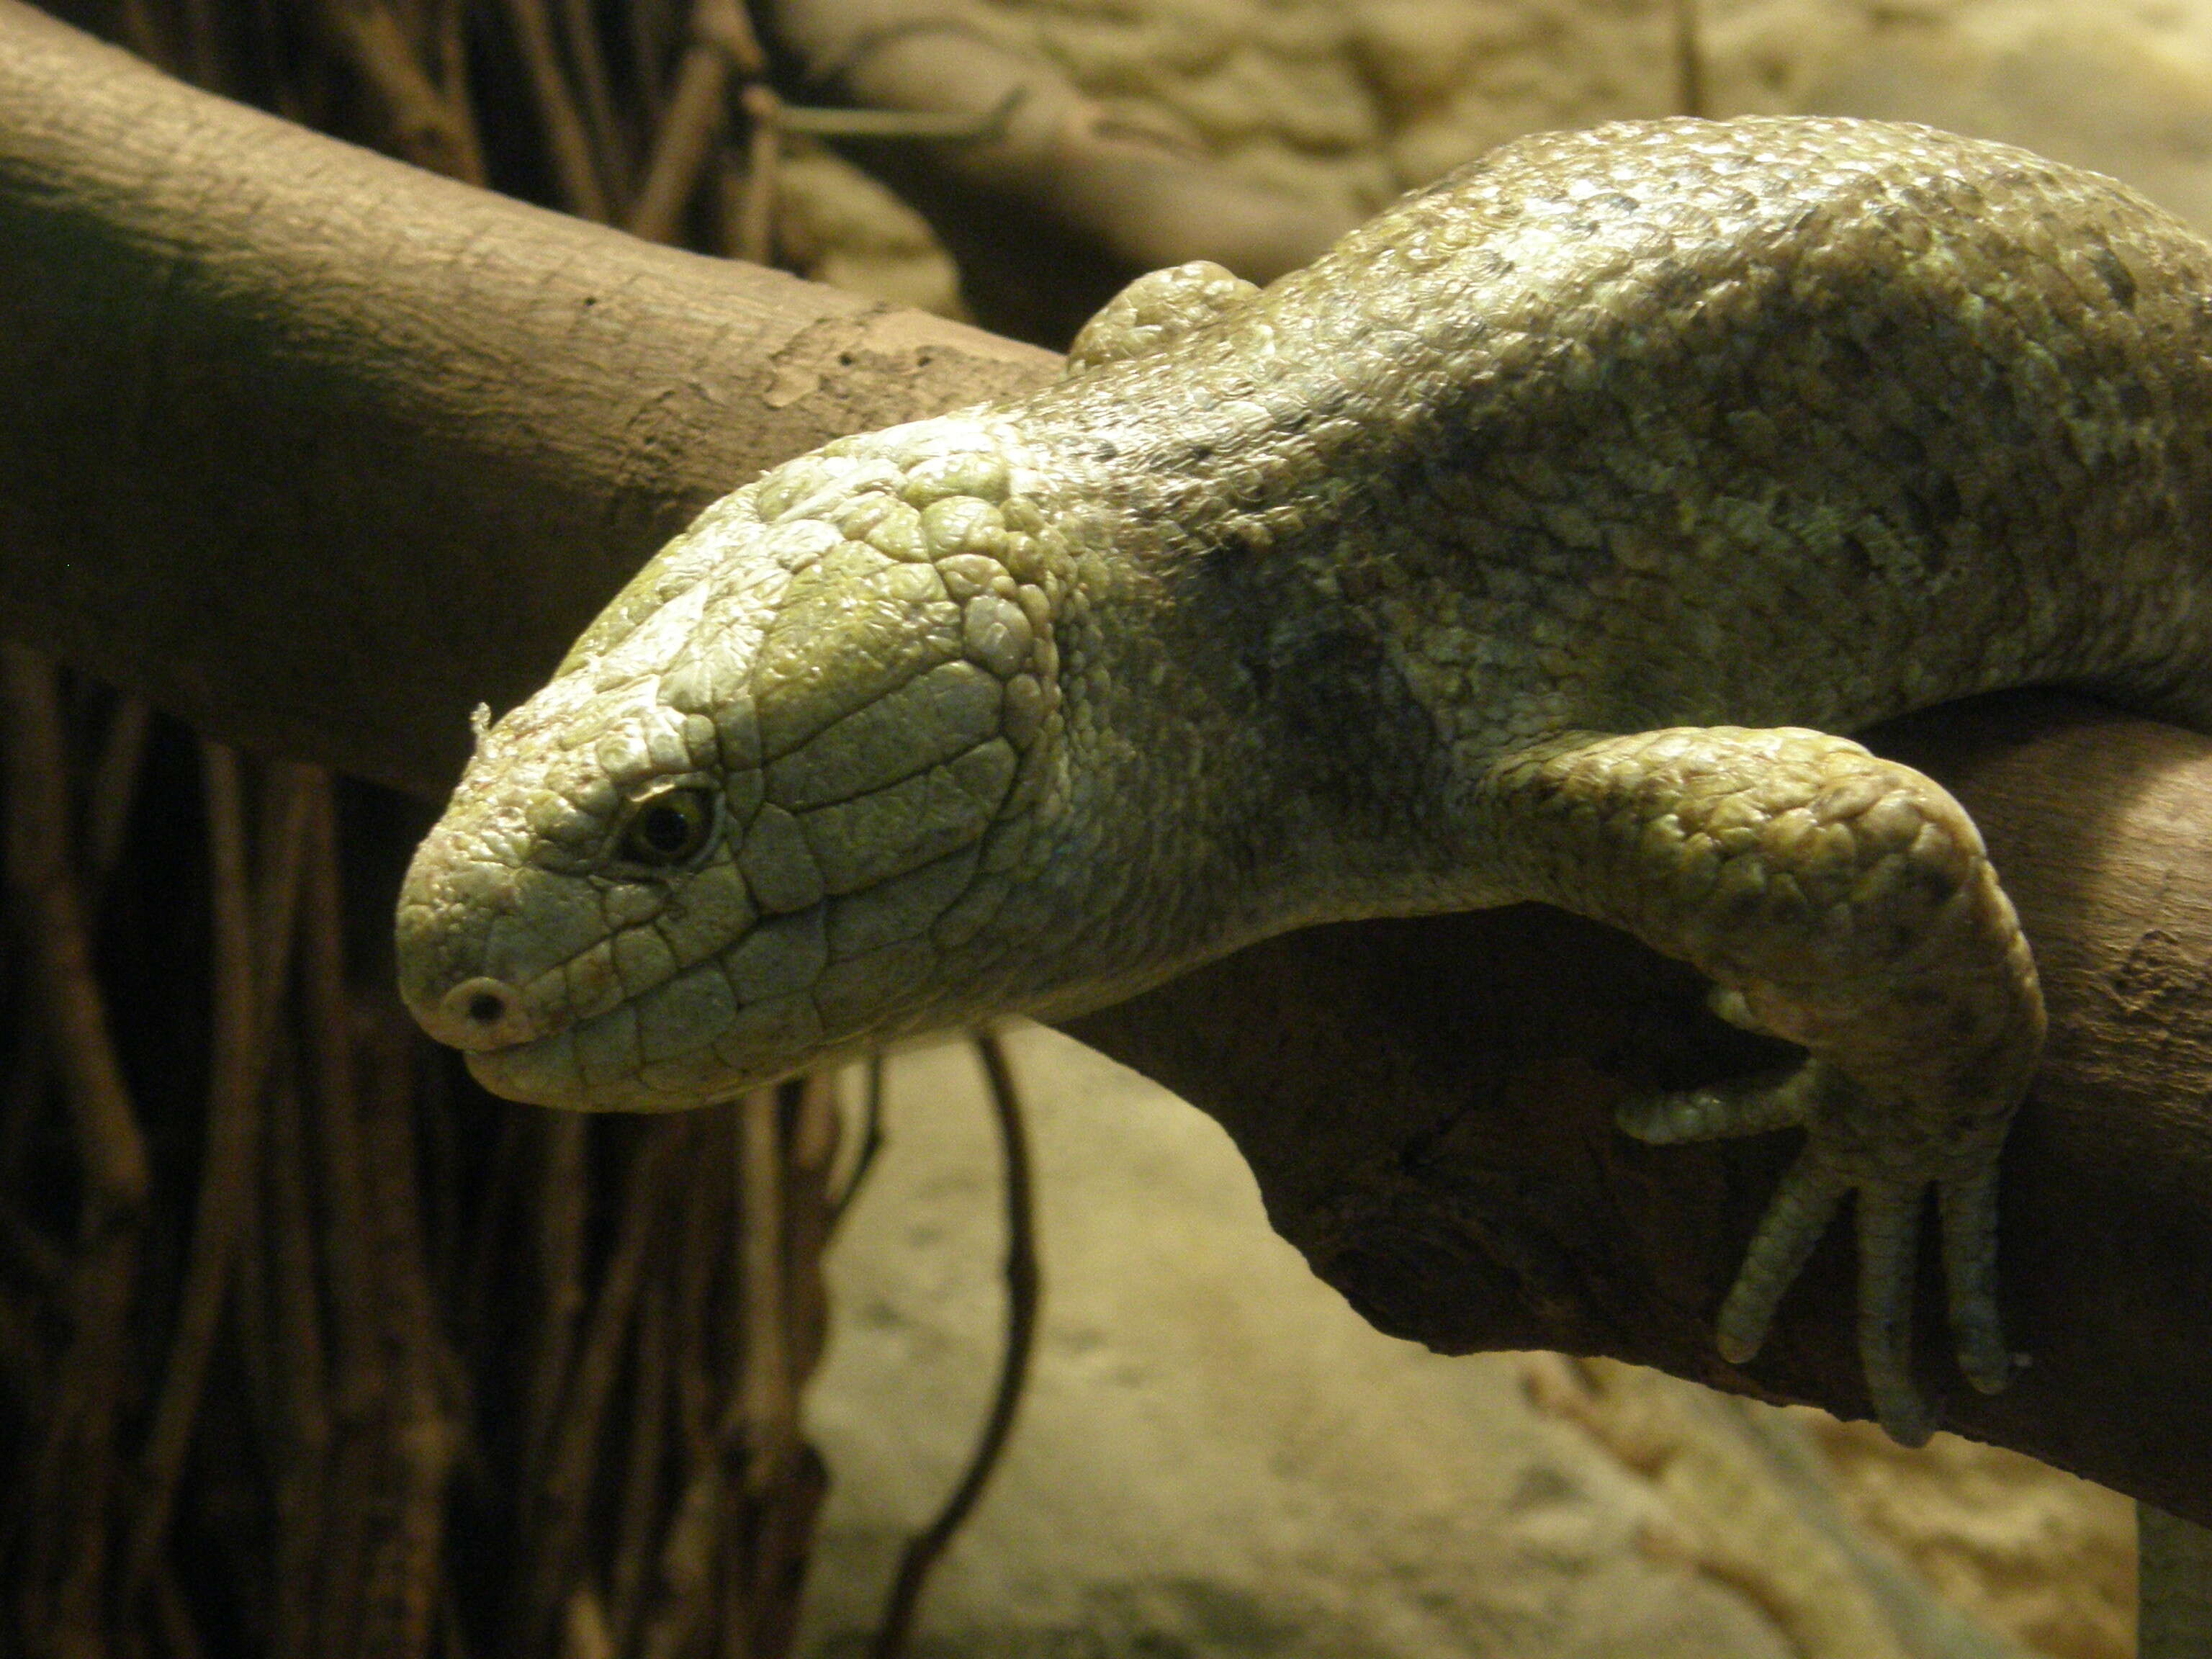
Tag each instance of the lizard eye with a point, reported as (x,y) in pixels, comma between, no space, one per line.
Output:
(668,830)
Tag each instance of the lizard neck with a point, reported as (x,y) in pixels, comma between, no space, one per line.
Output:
(1241,752)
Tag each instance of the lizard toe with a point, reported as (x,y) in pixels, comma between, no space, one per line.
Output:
(1796,1216)
(1746,1106)
(1888,1233)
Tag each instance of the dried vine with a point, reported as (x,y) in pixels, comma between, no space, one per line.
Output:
(1023,1287)
(306,1345)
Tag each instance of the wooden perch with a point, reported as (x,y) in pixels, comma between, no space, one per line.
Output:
(318,450)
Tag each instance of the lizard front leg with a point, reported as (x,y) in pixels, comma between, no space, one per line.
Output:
(1843,903)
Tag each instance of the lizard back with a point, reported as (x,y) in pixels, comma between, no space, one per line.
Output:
(1792,421)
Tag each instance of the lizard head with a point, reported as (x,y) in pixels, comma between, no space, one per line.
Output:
(768,809)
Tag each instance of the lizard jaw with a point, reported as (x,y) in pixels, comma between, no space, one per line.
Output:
(590,1066)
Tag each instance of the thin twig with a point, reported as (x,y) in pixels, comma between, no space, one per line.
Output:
(289,800)
(637,1511)
(238,1075)
(769,1410)
(425,123)
(562,1490)
(70,1504)
(1689,60)
(479,1264)
(352,1480)
(872,1140)
(55,931)
(418,1441)
(67,1507)
(226,1164)
(682,1581)
(710,1210)
(608,137)
(722,44)
(684,1578)
(302,1374)
(696,111)
(559,1205)
(254,1341)
(950,127)
(816,1126)
(584,192)
(756,228)
(654,37)
(449,47)
(1023,1284)
(727,25)
(336,1119)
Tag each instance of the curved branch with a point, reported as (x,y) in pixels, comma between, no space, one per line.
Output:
(1023,1290)
(318,450)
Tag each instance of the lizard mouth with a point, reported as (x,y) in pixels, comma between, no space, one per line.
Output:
(602,1063)
(539,1071)
(549,1070)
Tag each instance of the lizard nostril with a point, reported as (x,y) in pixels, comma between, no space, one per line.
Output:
(480,1013)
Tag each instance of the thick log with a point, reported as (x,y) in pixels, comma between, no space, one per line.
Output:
(319,451)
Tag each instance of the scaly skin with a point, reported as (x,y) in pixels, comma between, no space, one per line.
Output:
(1507,552)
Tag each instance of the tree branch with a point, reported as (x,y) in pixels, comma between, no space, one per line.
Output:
(318,450)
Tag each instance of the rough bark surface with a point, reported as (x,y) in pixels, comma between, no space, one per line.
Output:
(319,451)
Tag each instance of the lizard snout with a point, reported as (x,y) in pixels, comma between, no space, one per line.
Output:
(461,974)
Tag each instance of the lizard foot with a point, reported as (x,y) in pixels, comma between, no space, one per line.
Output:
(1841,903)
(1888,1176)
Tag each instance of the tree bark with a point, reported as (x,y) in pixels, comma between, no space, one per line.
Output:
(319,451)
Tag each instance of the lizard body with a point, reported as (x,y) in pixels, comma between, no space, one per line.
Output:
(1528,545)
